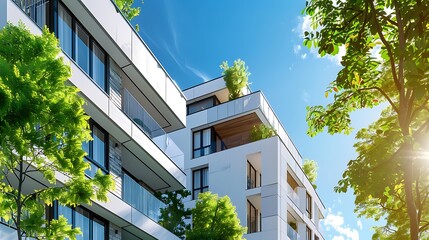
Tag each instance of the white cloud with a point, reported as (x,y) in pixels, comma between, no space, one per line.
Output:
(338,238)
(304,56)
(296,48)
(359,224)
(305,96)
(198,73)
(335,222)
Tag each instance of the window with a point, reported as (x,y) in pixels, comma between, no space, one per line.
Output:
(82,48)
(252,218)
(202,105)
(37,10)
(308,205)
(97,150)
(91,226)
(308,233)
(65,30)
(99,66)
(200,182)
(78,44)
(251,176)
(202,142)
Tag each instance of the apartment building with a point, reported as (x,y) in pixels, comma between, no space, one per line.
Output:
(133,105)
(264,178)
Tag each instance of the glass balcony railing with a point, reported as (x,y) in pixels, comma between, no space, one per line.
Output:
(291,233)
(141,199)
(136,112)
(293,196)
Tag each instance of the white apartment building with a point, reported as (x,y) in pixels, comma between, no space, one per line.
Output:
(264,179)
(133,105)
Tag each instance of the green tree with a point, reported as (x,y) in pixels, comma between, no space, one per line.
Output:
(236,77)
(386,60)
(214,218)
(42,127)
(310,169)
(261,131)
(174,214)
(130,12)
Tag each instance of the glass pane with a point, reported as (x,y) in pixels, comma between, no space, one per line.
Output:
(197,153)
(99,66)
(98,231)
(197,179)
(197,140)
(92,169)
(82,48)
(66,212)
(65,30)
(207,150)
(205,177)
(98,147)
(85,147)
(207,137)
(196,192)
(82,222)
(201,105)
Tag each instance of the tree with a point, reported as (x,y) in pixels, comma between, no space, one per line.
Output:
(127,9)
(310,169)
(386,60)
(173,215)
(236,77)
(214,218)
(42,127)
(262,131)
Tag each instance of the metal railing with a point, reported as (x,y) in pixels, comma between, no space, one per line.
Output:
(136,112)
(37,10)
(141,199)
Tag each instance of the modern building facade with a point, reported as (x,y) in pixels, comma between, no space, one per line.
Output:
(133,105)
(264,178)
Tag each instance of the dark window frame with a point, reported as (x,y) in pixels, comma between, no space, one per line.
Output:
(213,146)
(252,228)
(90,154)
(92,216)
(308,233)
(215,102)
(202,188)
(92,41)
(308,205)
(250,168)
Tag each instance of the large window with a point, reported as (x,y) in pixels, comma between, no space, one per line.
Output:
(91,226)
(37,10)
(81,47)
(200,182)
(308,205)
(202,104)
(97,150)
(252,218)
(202,141)
(308,234)
(65,32)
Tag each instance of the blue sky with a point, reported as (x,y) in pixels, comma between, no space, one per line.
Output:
(191,38)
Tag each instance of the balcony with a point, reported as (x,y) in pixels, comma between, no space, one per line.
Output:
(137,113)
(293,196)
(291,233)
(141,199)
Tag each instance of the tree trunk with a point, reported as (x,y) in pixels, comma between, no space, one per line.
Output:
(409,198)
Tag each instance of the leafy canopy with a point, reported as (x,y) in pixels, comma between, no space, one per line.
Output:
(310,168)
(214,218)
(173,215)
(42,127)
(386,60)
(236,77)
(130,12)
(262,131)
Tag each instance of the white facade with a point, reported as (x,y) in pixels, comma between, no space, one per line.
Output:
(135,104)
(264,178)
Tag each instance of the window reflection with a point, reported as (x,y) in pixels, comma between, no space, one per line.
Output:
(82,48)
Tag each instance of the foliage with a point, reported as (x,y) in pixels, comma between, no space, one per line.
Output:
(42,127)
(261,131)
(236,77)
(310,168)
(173,215)
(214,218)
(386,60)
(130,12)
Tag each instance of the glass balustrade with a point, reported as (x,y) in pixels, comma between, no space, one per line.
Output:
(291,233)
(141,199)
(136,112)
